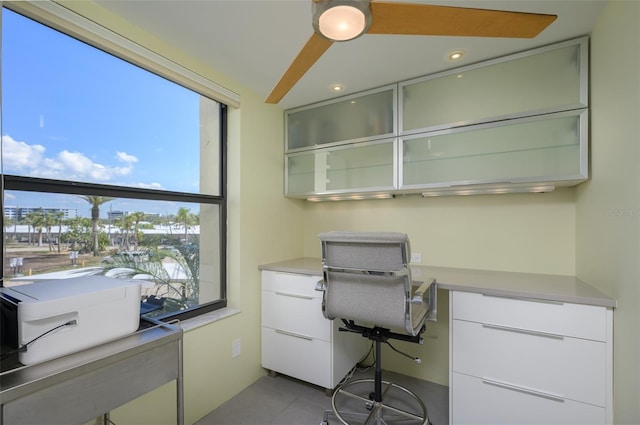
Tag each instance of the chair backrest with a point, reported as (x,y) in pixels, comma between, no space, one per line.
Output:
(367,278)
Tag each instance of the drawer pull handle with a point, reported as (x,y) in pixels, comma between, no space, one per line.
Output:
(523,331)
(288,294)
(307,338)
(529,391)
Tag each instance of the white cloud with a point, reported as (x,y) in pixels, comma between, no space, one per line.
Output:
(125,157)
(22,158)
(156,186)
(82,167)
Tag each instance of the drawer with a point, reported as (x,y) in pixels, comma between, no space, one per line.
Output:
(576,320)
(292,283)
(295,313)
(568,367)
(478,402)
(301,358)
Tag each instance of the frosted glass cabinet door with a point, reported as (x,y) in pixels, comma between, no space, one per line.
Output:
(551,147)
(549,79)
(363,166)
(353,118)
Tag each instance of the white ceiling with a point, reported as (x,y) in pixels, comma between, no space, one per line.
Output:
(254,41)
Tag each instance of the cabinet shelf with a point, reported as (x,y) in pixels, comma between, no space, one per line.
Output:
(437,158)
(534,164)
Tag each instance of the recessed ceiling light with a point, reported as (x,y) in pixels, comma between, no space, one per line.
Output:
(336,88)
(456,55)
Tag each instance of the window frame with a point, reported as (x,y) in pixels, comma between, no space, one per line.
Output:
(67,22)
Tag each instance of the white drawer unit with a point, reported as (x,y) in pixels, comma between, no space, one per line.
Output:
(297,340)
(525,361)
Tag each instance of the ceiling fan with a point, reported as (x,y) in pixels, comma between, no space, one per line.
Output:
(343,20)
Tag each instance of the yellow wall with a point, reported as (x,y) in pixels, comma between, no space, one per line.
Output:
(608,206)
(515,232)
(563,232)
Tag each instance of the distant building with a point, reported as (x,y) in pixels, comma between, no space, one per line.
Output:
(20,213)
(114,215)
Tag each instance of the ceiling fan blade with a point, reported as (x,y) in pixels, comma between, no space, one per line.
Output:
(427,19)
(309,54)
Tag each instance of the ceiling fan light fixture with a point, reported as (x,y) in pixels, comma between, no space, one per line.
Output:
(341,20)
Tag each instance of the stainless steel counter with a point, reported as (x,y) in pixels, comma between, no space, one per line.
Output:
(85,385)
(507,284)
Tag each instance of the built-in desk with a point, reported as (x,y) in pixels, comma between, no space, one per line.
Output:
(507,284)
(523,347)
(79,387)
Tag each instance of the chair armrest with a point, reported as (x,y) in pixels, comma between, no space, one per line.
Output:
(321,285)
(427,292)
(419,294)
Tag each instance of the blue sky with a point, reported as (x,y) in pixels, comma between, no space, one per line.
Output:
(72,112)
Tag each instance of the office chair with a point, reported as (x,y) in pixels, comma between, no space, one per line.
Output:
(367,284)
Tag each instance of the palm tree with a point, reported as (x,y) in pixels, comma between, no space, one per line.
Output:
(35,219)
(137,216)
(125,223)
(7,222)
(95,202)
(181,292)
(49,219)
(78,232)
(59,215)
(184,217)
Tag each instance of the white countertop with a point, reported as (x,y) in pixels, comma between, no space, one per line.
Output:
(507,284)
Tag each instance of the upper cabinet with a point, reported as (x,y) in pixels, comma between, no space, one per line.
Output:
(545,80)
(365,116)
(540,149)
(506,124)
(353,168)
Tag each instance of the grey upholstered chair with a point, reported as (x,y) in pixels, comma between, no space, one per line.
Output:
(367,284)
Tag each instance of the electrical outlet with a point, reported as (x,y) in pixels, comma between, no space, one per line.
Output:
(416,257)
(235,348)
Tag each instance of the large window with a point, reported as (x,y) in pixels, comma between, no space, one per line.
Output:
(108,168)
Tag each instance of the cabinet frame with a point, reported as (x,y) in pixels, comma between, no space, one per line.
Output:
(583,49)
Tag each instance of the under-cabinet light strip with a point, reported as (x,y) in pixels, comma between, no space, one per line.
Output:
(352,197)
(490,190)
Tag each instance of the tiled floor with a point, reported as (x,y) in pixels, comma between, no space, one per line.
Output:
(282,400)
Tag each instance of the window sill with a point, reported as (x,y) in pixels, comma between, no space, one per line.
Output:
(208,318)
